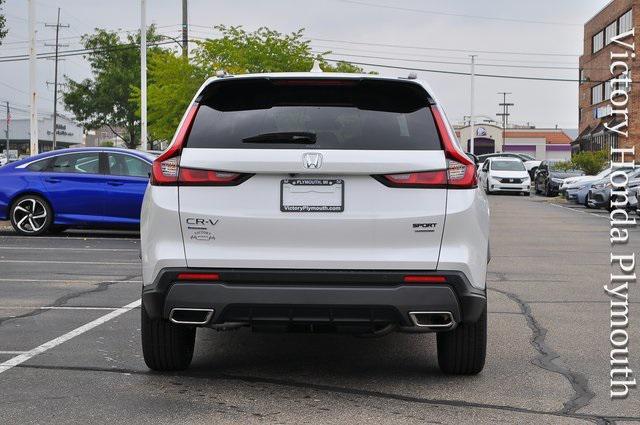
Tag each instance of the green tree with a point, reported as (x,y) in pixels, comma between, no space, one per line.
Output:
(3,23)
(173,81)
(591,162)
(105,98)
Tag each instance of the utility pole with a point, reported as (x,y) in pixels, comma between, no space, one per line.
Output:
(33,91)
(55,78)
(143,75)
(7,131)
(185,31)
(505,113)
(472,118)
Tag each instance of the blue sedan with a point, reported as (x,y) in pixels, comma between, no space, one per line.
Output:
(86,187)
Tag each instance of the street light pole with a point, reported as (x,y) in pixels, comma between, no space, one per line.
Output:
(33,91)
(7,131)
(143,75)
(472,119)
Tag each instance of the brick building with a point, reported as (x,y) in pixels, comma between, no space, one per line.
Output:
(595,88)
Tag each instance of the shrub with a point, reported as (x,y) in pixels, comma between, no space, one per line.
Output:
(564,165)
(590,162)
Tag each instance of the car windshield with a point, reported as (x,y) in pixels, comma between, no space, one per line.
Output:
(527,157)
(507,166)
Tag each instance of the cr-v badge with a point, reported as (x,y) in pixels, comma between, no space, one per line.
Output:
(312,160)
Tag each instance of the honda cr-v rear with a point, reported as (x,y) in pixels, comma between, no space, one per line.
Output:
(314,203)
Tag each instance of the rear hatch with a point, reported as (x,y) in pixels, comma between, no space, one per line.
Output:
(313,174)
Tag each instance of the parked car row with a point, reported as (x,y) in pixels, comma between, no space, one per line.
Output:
(595,191)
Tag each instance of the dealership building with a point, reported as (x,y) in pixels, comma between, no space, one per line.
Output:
(594,112)
(68,134)
(542,143)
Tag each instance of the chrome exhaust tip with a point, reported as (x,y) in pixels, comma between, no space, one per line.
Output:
(190,316)
(432,319)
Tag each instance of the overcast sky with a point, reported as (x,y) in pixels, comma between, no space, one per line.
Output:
(552,28)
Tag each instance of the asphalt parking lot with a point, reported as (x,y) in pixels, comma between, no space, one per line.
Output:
(68,305)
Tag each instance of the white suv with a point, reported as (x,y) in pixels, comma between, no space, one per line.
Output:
(315,202)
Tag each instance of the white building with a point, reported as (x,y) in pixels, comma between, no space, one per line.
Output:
(68,133)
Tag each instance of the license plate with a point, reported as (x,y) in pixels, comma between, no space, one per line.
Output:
(312,195)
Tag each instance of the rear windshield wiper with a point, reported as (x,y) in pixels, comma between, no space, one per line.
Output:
(301,137)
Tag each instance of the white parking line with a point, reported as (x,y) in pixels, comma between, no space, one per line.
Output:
(51,307)
(12,352)
(15,361)
(68,280)
(580,211)
(93,263)
(62,238)
(58,248)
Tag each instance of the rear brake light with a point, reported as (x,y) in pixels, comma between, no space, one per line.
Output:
(195,177)
(164,171)
(424,179)
(424,279)
(461,170)
(199,276)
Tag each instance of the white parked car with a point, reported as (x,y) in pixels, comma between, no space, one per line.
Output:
(318,203)
(3,160)
(504,174)
(530,163)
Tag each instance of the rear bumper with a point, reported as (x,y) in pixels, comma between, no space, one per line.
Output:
(309,296)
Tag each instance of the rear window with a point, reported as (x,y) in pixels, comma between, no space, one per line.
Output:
(317,114)
(507,166)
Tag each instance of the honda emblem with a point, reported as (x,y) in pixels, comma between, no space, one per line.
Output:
(312,160)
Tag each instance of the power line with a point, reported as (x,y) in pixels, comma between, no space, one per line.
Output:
(499,52)
(79,52)
(439,71)
(511,60)
(457,15)
(445,49)
(453,63)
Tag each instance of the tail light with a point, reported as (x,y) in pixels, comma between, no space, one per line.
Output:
(460,172)
(166,170)
(432,179)
(194,177)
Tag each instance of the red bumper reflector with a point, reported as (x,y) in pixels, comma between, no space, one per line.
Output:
(199,276)
(425,279)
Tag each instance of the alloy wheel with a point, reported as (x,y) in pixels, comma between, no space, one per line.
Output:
(30,215)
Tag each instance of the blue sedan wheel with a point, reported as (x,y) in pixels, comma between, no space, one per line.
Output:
(31,215)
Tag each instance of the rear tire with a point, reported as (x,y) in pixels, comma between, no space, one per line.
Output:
(463,350)
(165,345)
